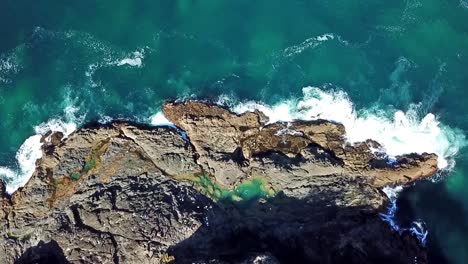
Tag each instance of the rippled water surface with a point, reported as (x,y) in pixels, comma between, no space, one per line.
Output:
(395,71)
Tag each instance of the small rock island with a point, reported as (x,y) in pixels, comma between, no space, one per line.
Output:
(217,187)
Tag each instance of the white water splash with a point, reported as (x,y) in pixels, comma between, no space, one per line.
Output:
(392,194)
(417,228)
(399,132)
(135,60)
(30,151)
(104,119)
(159,119)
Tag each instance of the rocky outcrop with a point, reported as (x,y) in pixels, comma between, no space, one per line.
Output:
(127,193)
(223,138)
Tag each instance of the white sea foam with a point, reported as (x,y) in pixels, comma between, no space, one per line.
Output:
(325,37)
(9,64)
(306,44)
(159,119)
(6,64)
(30,151)
(392,192)
(399,132)
(417,228)
(311,43)
(90,72)
(136,59)
(104,119)
(389,216)
(26,158)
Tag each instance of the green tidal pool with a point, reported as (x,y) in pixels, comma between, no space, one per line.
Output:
(252,189)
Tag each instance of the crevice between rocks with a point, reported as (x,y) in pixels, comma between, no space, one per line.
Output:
(79,222)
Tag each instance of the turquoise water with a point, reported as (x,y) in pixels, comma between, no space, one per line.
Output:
(65,63)
(250,190)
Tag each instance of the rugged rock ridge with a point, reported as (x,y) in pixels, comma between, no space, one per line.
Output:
(219,135)
(126,193)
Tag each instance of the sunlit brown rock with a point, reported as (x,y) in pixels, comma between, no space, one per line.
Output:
(128,193)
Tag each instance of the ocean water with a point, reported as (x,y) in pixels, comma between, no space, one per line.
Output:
(394,71)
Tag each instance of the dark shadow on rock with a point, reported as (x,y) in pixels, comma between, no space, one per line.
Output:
(43,253)
(3,193)
(432,203)
(291,230)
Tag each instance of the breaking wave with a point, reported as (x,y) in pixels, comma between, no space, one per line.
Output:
(30,151)
(397,131)
(159,119)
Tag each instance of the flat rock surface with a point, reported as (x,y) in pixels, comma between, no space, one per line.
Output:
(128,193)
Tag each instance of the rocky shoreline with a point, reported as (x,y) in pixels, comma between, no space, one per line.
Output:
(229,189)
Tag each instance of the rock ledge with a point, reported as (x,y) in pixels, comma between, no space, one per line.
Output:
(233,189)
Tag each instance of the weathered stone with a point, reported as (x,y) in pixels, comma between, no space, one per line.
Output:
(125,193)
(220,155)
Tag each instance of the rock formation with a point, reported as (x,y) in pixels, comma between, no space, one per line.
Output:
(217,188)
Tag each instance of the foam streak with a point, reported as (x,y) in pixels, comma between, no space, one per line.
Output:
(399,132)
(417,228)
(31,150)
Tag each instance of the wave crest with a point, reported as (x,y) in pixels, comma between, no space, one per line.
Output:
(397,131)
(30,151)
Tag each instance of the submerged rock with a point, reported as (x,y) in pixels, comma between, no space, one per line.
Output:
(240,190)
